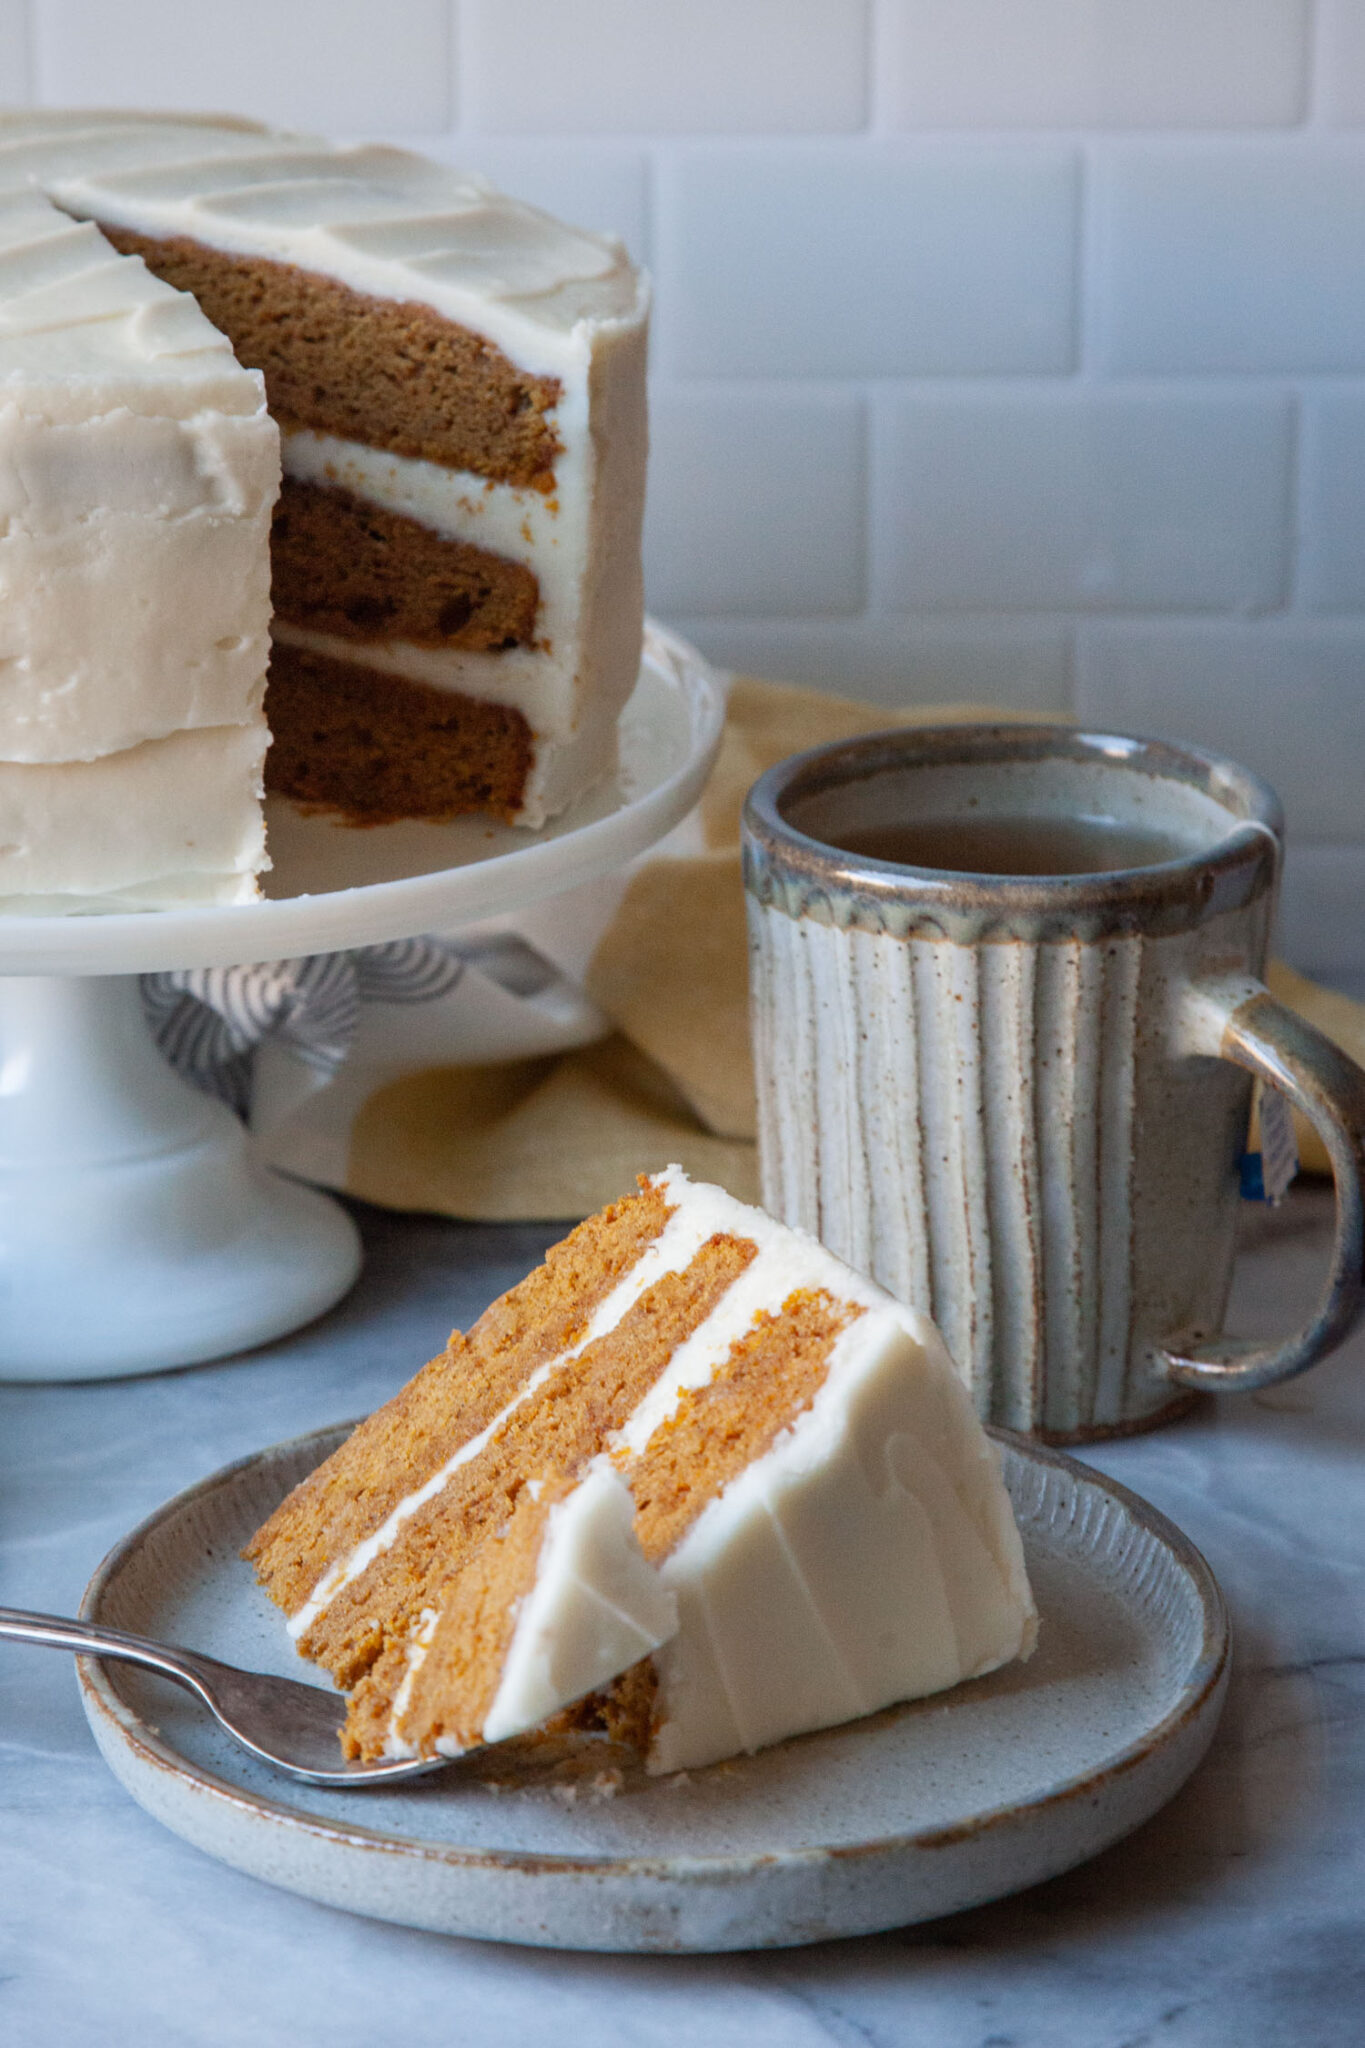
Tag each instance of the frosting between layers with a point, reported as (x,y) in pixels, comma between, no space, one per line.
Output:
(547,534)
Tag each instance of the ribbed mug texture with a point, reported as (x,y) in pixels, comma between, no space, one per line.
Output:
(973,1087)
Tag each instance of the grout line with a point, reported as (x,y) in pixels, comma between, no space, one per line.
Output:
(28,29)
(457,84)
(1090,273)
(1314,120)
(868,509)
(1293,605)
(878,43)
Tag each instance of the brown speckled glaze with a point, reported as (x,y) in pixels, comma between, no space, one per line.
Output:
(1021,1102)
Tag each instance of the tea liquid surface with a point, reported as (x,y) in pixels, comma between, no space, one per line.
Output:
(1016,845)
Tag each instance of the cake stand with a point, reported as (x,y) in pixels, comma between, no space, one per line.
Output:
(137,1231)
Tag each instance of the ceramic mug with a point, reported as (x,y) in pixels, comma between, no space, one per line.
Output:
(1021,1102)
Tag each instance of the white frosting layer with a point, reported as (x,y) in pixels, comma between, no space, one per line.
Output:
(383,221)
(546,534)
(134,578)
(137,473)
(419,1642)
(185,810)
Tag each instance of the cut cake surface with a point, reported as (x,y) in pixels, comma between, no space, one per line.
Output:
(693,1467)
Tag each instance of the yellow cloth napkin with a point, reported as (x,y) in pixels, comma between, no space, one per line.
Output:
(557,1137)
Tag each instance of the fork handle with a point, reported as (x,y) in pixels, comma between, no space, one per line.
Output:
(56,1632)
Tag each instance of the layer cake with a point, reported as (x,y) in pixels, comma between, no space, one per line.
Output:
(453,384)
(782,1451)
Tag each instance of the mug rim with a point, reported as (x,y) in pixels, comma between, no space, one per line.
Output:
(839,762)
(809,877)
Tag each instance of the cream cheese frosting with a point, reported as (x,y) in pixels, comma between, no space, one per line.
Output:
(138,469)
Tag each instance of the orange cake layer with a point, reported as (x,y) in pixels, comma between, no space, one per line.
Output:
(457,1682)
(550,1436)
(342,564)
(389,373)
(375,746)
(770,1375)
(449,1401)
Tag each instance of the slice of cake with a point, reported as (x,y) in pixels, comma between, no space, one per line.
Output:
(458,382)
(817,1508)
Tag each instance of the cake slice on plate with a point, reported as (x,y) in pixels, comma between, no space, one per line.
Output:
(693,1467)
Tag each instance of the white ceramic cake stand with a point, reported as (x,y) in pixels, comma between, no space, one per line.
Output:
(137,1231)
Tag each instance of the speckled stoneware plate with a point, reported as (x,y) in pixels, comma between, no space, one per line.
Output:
(918,1811)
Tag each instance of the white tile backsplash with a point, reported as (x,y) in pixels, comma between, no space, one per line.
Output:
(1081,500)
(1236,258)
(327,64)
(801,261)
(755,503)
(667,67)
(14,53)
(1021,663)
(1097,63)
(1265,693)
(1006,350)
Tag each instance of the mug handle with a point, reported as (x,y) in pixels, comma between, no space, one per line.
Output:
(1236,1018)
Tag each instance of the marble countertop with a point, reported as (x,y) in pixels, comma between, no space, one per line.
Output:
(1237,1915)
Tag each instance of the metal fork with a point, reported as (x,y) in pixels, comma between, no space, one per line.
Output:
(294,1727)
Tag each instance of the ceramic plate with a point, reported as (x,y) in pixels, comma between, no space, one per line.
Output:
(914,1812)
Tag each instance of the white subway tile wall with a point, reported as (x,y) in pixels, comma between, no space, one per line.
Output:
(14,51)
(1082,499)
(782,475)
(1006,350)
(1098,63)
(313,63)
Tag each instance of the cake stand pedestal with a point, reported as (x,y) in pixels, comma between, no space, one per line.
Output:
(138,1233)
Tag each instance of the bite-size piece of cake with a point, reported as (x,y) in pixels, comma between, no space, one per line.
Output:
(693,1447)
